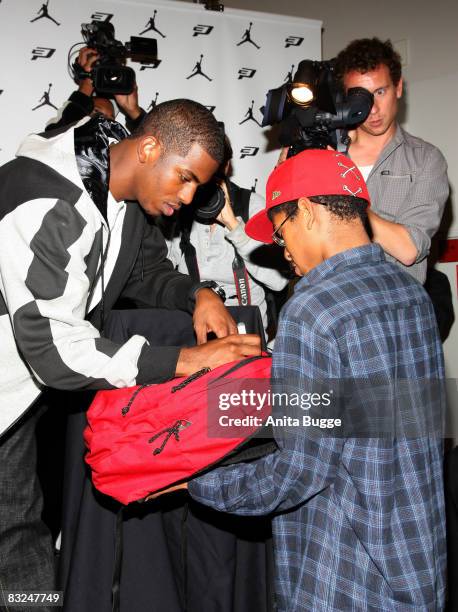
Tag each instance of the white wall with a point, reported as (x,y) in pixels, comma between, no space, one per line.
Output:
(226,88)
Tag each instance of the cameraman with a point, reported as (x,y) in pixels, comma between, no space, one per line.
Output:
(221,250)
(83,102)
(406,176)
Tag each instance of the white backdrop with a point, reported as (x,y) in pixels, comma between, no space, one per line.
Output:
(33,61)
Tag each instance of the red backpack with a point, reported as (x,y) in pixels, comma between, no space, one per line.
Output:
(146,438)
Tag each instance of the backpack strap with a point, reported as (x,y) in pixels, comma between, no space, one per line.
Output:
(240,200)
(116,582)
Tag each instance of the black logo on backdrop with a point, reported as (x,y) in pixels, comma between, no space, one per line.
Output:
(43,12)
(98,16)
(43,52)
(249,115)
(293,41)
(204,30)
(153,102)
(248,152)
(151,25)
(198,70)
(211,108)
(289,77)
(1,91)
(246,38)
(153,65)
(44,100)
(253,187)
(246,73)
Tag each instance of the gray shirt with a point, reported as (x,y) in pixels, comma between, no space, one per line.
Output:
(408,185)
(215,252)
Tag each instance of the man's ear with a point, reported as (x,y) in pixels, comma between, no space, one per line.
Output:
(148,149)
(308,210)
(399,88)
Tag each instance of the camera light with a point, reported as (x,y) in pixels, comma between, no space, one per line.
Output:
(301,93)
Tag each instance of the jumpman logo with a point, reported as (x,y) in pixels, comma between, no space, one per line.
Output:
(153,102)
(253,188)
(198,70)
(44,13)
(246,38)
(151,25)
(45,101)
(289,76)
(249,115)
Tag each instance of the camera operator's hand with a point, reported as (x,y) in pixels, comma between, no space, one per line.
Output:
(283,155)
(210,315)
(226,216)
(86,59)
(217,352)
(129,104)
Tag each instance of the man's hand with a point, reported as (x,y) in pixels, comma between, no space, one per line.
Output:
(178,487)
(86,59)
(217,352)
(129,104)
(210,315)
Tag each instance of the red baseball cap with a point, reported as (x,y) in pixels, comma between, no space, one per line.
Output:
(313,172)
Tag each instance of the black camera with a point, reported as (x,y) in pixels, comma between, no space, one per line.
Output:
(209,200)
(313,111)
(110,75)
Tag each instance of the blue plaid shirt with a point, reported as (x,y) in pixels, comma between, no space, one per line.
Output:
(358,521)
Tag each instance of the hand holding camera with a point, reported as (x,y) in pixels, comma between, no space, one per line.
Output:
(86,59)
(104,58)
(128,103)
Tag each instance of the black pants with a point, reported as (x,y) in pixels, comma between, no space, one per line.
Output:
(26,550)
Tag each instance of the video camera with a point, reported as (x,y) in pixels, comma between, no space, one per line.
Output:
(110,75)
(313,111)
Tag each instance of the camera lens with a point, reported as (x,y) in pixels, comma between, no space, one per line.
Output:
(113,76)
(209,201)
(113,79)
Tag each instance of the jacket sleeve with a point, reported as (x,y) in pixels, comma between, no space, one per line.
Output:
(421,211)
(261,271)
(77,106)
(46,287)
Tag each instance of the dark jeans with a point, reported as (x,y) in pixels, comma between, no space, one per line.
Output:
(26,551)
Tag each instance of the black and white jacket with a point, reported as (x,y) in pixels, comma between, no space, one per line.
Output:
(65,256)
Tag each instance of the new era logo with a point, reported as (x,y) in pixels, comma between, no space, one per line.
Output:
(275,195)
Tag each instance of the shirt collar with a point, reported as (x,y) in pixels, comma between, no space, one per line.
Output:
(369,253)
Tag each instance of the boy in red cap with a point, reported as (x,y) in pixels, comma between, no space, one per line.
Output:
(357,501)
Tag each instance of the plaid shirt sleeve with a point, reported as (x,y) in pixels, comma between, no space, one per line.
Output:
(305,464)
